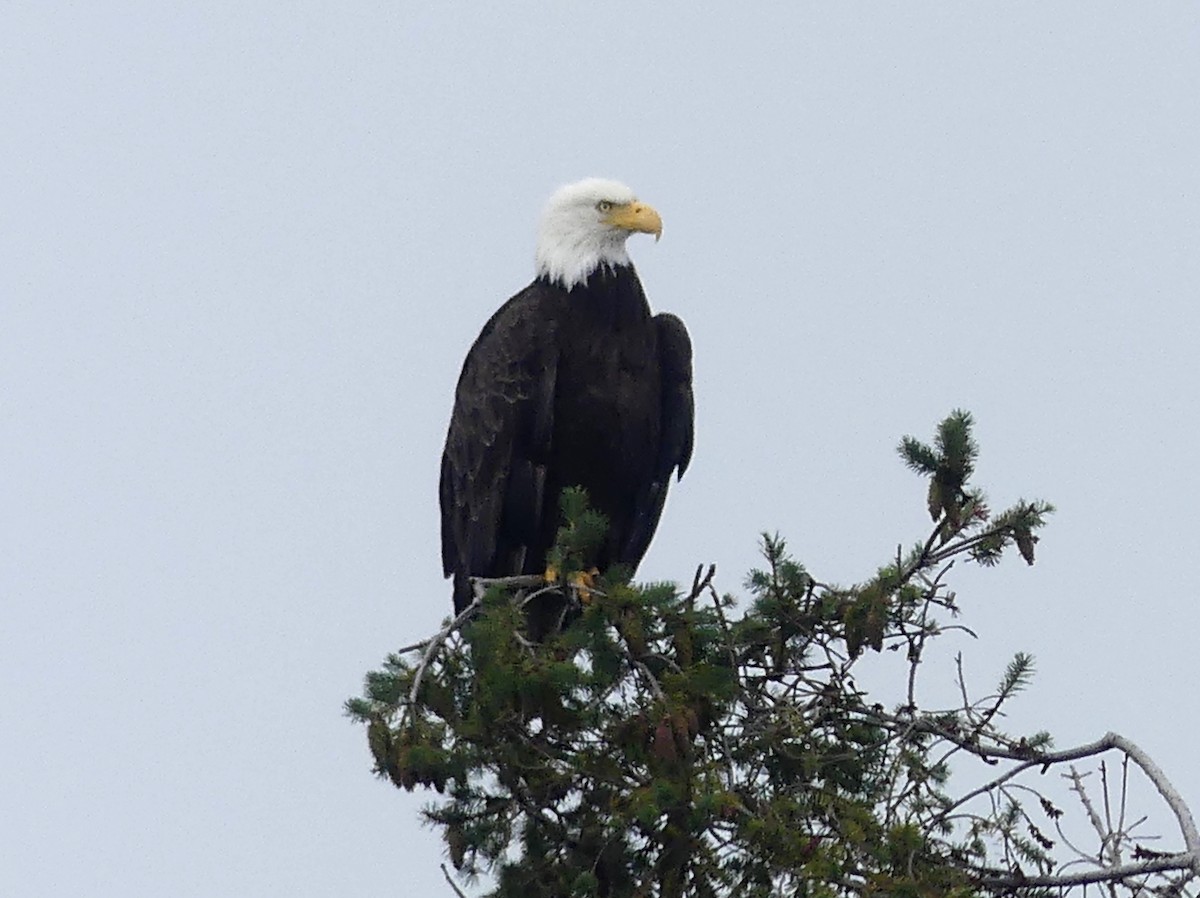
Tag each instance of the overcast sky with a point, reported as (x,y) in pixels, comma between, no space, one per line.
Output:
(244,248)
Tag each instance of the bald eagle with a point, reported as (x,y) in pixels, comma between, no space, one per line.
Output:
(573,382)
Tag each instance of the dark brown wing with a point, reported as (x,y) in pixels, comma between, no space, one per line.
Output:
(675,433)
(493,476)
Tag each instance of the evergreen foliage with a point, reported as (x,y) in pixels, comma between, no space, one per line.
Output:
(658,744)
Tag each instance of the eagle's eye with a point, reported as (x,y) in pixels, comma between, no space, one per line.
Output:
(604,206)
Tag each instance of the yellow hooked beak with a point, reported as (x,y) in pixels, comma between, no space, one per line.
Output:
(636,216)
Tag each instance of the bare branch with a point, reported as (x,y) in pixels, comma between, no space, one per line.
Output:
(457,891)
(1181,861)
(701,581)
(435,642)
(1173,799)
(1077,787)
(480,585)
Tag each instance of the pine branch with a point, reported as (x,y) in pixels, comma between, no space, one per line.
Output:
(654,743)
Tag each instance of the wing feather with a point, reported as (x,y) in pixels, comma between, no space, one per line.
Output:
(492,481)
(676,427)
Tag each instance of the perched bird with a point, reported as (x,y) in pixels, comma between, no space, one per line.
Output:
(571,383)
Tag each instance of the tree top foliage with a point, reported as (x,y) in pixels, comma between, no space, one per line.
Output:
(658,743)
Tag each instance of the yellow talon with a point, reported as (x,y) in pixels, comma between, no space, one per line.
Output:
(551,575)
(585,584)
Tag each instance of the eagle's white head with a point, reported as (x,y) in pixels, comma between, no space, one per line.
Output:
(585,226)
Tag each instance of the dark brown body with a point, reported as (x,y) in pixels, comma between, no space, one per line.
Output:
(564,388)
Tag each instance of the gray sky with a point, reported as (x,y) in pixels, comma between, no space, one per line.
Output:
(243,251)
